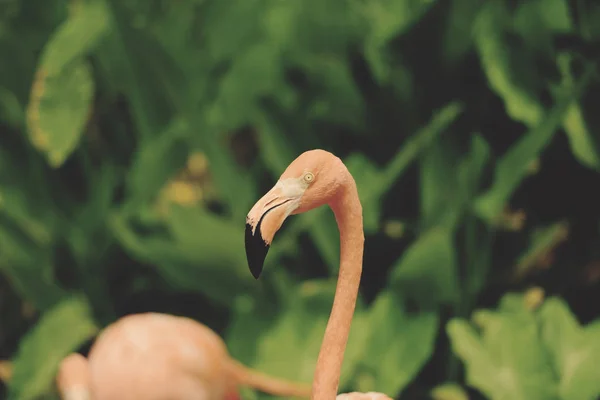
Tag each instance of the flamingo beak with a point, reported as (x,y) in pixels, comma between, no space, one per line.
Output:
(265,219)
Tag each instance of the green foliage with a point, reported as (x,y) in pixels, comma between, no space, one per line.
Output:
(399,344)
(136,135)
(427,270)
(62,93)
(509,359)
(59,332)
(574,350)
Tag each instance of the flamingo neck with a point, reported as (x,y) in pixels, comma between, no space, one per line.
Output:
(348,214)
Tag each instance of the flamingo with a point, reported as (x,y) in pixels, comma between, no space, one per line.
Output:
(316,178)
(152,356)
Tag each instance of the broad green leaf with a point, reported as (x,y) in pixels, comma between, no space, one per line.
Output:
(75,38)
(513,303)
(59,332)
(575,351)
(63,89)
(399,343)
(480,369)
(427,270)
(58,111)
(495,54)
(507,361)
(512,167)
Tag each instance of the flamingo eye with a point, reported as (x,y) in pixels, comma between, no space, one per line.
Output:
(308,177)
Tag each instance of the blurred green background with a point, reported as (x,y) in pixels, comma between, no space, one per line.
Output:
(136,135)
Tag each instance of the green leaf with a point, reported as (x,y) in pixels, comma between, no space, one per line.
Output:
(427,270)
(512,167)
(480,370)
(58,111)
(507,361)
(575,350)
(498,64)
(63,90)
(582,142)
(439,198)
(448,184)
(399,344)
(59,332)
(580,139)
(470,169)
(76,37)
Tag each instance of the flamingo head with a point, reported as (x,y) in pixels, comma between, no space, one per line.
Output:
(311,180)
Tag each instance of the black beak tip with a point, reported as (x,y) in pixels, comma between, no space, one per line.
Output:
(256,251)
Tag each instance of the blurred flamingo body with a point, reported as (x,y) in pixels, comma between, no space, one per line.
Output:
(316,178)
(155,356)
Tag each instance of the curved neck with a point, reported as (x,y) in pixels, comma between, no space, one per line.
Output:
(348,214)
